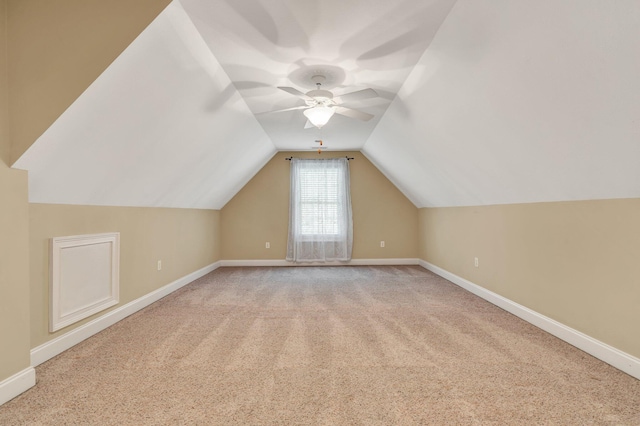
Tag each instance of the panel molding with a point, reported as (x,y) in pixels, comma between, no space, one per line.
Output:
(352,262)
(60,344)
(16,384)
(612,356)
(60,318)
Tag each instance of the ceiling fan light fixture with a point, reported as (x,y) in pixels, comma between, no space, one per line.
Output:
(319,115)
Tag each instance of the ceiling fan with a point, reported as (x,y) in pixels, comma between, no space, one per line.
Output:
(321,104)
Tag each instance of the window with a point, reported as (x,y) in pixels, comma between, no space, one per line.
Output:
(319,201)
(320,223)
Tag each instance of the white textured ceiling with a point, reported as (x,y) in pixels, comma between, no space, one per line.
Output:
(497,101)
(263,44)
(519,102)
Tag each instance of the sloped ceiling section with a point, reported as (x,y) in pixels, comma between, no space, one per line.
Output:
(163,126)
(512,102)
(518,102)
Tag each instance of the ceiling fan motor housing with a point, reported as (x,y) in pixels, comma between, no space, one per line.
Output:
(320,96)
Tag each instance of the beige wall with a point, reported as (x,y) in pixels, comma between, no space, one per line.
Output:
(57,49)
(576,262)
(185,240)
(5,143)
(14,272)
(260,213)
(14,228)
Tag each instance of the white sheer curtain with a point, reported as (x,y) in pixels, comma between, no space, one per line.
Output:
(320,221)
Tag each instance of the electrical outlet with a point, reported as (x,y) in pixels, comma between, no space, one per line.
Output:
(382,244)
(475,262)
(267,245)
(159,265)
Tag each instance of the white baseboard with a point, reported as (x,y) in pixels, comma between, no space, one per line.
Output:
(352,262)
(612,356)
(60,344)
(16,384)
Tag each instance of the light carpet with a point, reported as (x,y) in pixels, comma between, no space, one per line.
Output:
(324,345)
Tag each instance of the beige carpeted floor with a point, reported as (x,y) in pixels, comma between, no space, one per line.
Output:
(325,345)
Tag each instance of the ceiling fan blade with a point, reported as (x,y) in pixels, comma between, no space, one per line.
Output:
(356,96)
(285,109)
(308,125)
(295,92)
(353,113)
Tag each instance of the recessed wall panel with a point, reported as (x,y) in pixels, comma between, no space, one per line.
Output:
(84,277)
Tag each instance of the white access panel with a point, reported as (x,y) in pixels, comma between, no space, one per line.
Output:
(84,277)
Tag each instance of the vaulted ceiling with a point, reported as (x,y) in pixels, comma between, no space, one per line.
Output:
(480,102)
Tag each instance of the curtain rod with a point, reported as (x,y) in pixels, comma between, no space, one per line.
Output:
(289,158)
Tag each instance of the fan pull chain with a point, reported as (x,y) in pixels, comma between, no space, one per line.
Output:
(319,141)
